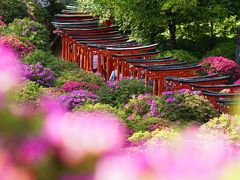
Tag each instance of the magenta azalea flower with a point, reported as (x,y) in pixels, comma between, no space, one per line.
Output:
(171,99)
(237,82)
(167,92)
(221,65)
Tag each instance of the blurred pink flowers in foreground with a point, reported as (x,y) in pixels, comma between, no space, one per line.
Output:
(9,73)
(80,134)
(9,171)
(192,156)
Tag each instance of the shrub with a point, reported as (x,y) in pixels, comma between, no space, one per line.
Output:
(227,124)
(104,107)
(181,55)
(2,23)
(80,75)
(143,106)
(50,61)
(28,91)
(226,50)
(119,93)
(22,49)
(69,86)
(77,98)
(186,106)
(237,82)
(166,134)
(56,7)
(183,106)
(39,74)
(29,30)
(11,9)
(37,13)
(134,125)
(222,66)
(145,124)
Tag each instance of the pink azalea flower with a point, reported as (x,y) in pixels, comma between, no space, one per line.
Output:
(31,150)
(82,133)
(171,99)
(221,65)
(9,73)
(9,171)
(192,156)
(237,82)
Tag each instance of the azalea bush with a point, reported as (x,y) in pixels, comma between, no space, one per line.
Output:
(143,106)
(77,98)
(2,23)
(237,82)
(70,86)
(168,135)
(29,30)
(186,106)
(48,60)
(104,108)
(11,9)
(39,74)
(222,66)
(27,91)
(183,106)
(54,143)
(119,93)
(143,114)
(227,124)
(80,75)
(37,13)
(22,49)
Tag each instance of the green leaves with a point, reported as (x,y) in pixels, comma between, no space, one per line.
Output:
(197,22)
(29,30)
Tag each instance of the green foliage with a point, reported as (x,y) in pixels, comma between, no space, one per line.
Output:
(166,134)
(226,49)
(49,61)
(187,108)
(14,126)
(183,107)
(227,124)
(145,124)
(140,136)
(227,27)
(119,93)
(104,107)
(81,76)
(11,9)
(181,55)
(190,25)
(29,30)
(28,91)
(37,13)
(56,7)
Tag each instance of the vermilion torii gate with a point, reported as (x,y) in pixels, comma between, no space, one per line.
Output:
(106,50)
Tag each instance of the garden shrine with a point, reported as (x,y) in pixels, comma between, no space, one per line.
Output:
(104,49)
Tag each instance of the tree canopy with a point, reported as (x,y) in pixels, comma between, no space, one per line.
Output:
(170,21)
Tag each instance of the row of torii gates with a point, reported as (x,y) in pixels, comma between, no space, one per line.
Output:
(105,50)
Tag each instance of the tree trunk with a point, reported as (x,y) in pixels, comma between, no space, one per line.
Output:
(172,29)
(211,29)
(212,42)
